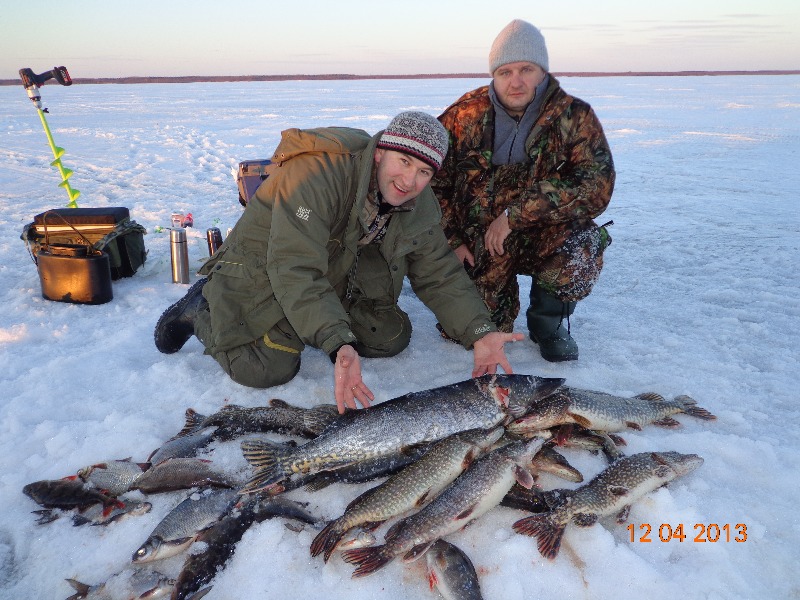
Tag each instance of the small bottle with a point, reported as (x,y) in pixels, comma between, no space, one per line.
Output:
(179,254)
(214,238)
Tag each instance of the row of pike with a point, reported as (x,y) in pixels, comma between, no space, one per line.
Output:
(452,453)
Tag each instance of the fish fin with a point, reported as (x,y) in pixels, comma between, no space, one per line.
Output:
(394,530)
(690,407)
(651,397)
(423,498)
(264,455)
(433,580)
(634,426)
(320,482)
(618,490)
(81,588)
(194,421)
(368,560)
(580,420)
(371,525)
(563,434)
(667,422)
(78,520)
(417,551)
(327,539)
(200,593)
(46,515)
(618,441)
(466,513)
(547,533)
(585,519)
(278,403)
(523,477)
(622,515)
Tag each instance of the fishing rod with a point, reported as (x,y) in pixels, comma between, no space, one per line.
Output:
(32,83)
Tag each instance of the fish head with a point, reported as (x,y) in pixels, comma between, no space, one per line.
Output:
(526,390)
(680,464)
(148,551)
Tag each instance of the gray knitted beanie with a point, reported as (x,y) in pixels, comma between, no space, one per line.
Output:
(418,134)
(519,41)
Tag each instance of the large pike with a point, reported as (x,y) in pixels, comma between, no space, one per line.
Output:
(411,488)
(605,412)
(611,492)
(479,489)
(415,418)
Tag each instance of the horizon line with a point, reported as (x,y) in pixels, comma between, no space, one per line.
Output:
(345,76)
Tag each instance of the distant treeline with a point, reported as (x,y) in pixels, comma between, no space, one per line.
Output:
(341,76)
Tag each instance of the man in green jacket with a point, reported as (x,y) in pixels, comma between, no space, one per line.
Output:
(529,169)
(319,256)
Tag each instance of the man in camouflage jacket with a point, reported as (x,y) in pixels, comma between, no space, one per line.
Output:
(529,168)
(319,257)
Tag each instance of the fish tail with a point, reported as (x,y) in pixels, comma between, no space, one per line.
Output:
(269,462)
(690,407)
(327,540)
(547,533)
(194,422)
(81,589)
(368,560)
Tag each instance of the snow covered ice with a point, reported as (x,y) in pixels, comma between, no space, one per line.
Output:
(700,295)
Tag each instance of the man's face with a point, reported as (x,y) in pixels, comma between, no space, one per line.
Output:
(515,85)
(401,177)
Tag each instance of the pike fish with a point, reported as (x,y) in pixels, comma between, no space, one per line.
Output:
(604,412)
(547,460)
(612,492)
(183,523)
(180,447)
(221,538)
(477,490)
(574,436)
(180,474)
(415,418)
(452,573)
(411,488)
(279,417)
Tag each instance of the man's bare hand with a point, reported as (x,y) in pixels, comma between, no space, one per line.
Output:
(489,352)
(464,255)
(496,235)
(348,384)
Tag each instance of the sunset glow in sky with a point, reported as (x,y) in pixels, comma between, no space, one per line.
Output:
(244,37)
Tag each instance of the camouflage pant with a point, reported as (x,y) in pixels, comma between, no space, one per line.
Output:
(564,259)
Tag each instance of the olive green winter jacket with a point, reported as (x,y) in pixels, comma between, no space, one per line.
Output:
(293,252)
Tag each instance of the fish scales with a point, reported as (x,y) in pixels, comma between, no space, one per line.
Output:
(612,492)
(480,488)
(412,487)
(415,418)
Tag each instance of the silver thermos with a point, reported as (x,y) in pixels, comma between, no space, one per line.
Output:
(179,254)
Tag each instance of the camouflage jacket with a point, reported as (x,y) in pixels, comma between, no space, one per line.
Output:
(569,173)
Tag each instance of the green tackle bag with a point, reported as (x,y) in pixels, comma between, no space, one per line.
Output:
(108,229)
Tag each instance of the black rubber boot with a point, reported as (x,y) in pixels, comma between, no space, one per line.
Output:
(546,316)
(176,325)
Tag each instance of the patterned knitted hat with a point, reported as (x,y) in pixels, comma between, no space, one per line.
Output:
(519,41)
(418,134)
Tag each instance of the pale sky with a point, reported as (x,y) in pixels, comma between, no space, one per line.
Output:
(95,38)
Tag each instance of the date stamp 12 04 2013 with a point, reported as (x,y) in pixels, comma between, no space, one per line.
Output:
(698,532)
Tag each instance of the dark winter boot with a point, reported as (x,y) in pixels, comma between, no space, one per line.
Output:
(176,325)
(546,316)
